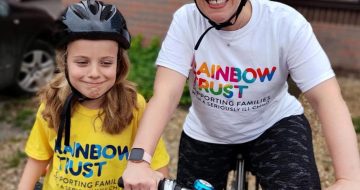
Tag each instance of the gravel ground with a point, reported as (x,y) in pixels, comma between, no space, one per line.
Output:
(12,139)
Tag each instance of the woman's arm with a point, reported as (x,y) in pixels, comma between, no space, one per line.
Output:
(339,132)
(32,172)
(168,88)
(164,171)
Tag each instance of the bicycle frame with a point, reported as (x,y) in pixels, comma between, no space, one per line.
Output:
(240,173)
(241,182)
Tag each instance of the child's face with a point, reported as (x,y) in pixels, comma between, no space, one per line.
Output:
(92,66)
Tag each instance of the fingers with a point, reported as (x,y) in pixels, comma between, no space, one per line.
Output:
(148,185)
(158,176)
(143,184)
(139,176)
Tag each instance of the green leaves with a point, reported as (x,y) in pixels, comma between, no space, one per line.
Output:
(142,70)
(143,67)
(356,122)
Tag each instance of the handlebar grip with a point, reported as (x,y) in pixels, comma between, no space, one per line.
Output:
(161,184)
(121,182)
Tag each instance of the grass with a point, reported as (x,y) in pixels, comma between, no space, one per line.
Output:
(19,112)
(25,119)
(356,122)
(2,117)
(15,160)
(14,140)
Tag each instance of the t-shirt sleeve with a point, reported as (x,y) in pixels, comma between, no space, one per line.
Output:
(161,157)
(308,64)
(37,145)
(176,51)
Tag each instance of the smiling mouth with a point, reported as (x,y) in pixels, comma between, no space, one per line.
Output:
(216,2)
(91,84)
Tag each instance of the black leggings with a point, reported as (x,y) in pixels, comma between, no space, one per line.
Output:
(282,158)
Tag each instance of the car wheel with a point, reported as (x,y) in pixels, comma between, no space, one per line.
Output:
(36,68)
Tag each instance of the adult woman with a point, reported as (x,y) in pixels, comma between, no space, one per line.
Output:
(237,78)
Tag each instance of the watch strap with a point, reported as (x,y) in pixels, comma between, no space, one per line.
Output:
(147,157)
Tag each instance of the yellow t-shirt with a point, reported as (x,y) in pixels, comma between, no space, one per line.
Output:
(94,159)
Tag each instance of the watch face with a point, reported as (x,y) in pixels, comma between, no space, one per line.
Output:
(136,154)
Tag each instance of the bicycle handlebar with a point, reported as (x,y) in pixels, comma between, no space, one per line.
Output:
(164,184)
(170,184)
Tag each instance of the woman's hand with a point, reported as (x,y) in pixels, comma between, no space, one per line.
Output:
(138,176)
(344,184)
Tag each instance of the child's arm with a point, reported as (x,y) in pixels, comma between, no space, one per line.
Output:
(32,172)
(339,132)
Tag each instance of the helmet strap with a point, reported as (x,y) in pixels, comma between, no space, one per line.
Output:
(65,116)
(80,97)
(221,25)
(65,122)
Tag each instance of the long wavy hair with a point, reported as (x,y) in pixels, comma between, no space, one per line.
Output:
(118,104)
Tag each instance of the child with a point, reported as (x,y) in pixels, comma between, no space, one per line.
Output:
(91,89)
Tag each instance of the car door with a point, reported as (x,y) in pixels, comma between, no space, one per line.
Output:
(8,26)
(25,51)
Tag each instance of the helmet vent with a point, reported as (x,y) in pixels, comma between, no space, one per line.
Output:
(79,11)
(106,13)
(94,8)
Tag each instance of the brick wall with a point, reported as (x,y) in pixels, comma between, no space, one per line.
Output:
(341,43)
(151,18)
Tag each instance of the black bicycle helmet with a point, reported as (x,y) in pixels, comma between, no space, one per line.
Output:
(90,19)
(221,25)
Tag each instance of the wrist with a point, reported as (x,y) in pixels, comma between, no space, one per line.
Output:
(142,164)
(138,155)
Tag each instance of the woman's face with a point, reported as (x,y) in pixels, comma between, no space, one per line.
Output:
(218,11)
(92,66)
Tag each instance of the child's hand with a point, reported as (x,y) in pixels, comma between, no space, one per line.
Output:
(140,176)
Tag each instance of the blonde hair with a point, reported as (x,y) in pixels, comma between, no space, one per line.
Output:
(118,104)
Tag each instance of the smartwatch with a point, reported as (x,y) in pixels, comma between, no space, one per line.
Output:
(139,155)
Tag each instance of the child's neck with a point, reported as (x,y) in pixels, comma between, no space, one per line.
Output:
(93,104)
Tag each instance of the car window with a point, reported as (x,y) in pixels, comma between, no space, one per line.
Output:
(4,8)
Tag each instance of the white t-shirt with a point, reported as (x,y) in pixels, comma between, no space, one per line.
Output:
(237,79)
